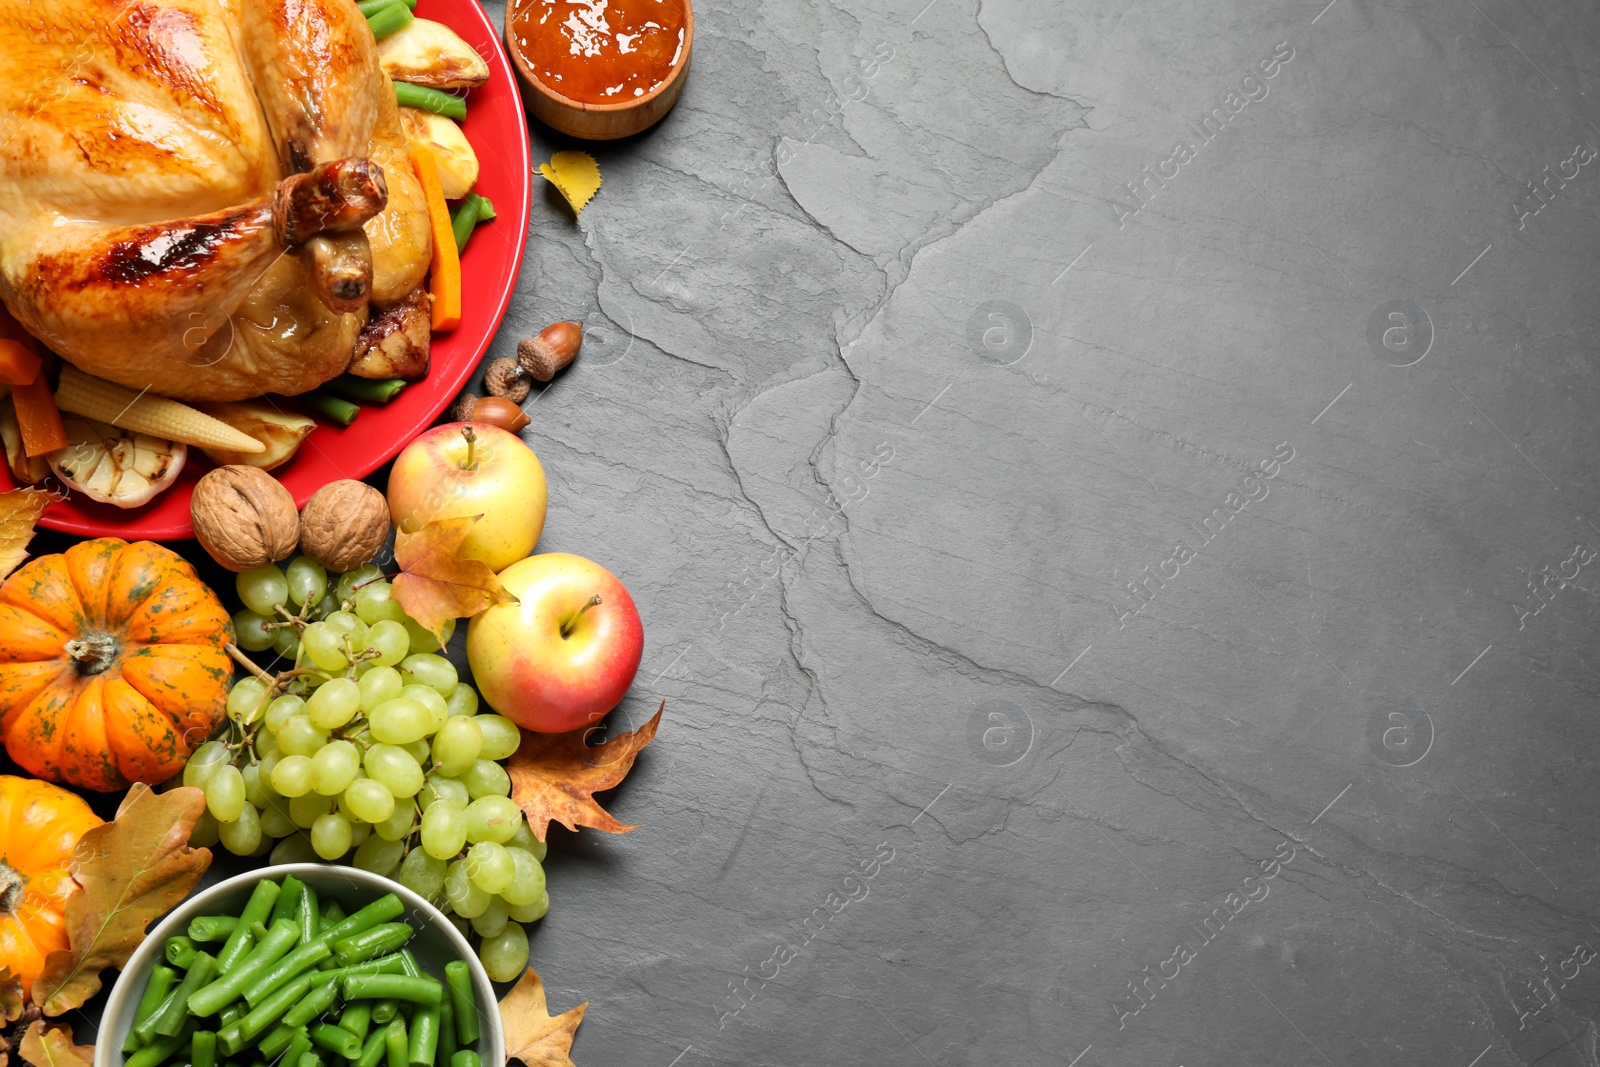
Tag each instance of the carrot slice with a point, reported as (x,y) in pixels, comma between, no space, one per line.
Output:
(18,365)
(38,418)
(444,277)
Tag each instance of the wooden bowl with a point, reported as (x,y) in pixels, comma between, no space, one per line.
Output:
(601,122)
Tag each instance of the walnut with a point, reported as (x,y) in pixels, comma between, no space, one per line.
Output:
(344,524)
(504,377)
(244,517)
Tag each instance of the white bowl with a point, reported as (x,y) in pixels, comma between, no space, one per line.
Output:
(436,943)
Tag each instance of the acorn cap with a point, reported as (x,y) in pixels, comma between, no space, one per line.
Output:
(461,411)
(503,377)
(547,355)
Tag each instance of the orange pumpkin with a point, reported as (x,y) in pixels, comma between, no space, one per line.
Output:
(112,664)
(39,828)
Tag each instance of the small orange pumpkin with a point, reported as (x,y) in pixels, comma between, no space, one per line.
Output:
(39,827)
(112,664)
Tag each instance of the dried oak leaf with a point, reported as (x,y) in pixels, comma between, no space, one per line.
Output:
(19,510)
(131,871)
(435,584)
(53,1047)
(12,1002)
(555,776)
(532,1036)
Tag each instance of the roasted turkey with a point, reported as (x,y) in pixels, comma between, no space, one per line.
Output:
(205,198)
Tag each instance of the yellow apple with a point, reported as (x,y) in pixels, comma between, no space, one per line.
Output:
(472,469)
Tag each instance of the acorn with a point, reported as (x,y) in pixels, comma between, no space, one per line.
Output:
(504,377)
(547,355)
(498,411)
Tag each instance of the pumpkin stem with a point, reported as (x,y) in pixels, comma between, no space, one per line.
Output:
(12,883)
(93,652)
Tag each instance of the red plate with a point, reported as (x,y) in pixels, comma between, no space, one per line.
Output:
(497,129)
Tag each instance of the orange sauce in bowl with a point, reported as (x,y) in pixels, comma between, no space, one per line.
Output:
(599,51)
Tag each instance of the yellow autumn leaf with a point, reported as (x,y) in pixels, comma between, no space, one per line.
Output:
(19,510)
(576,174)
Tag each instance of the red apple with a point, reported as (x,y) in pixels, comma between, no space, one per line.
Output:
(566,653)
(447,473)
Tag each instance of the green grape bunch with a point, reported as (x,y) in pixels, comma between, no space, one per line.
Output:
(368,745)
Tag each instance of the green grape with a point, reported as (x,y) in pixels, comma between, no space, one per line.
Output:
(326,606)
(463,700)
(369,800)
(492,921)
(204,762)
(390,640)
(307,580)
(262,590)
(527,886)
(286,642)
(291,777)
(299,738)
(375,603)
(333,769)
(346,587)
(395,768)
(500,736)
(524,839)
(423,874)
(269,760)
(225,794)
(444,830)
(350,625)
(492,819)
(323,647)
(379,856)
(305,810)
(275,821)
(378,685)
(251,630)
(505,954)
(466,898)
(531,912)
(436,788)
(205,832)
(254,791)
(246,699)
(422,641)
(242,835)
(490,866)
(281,710)
(330,835)
(436,672)
(486,778)
(438,710)
(456,746)
(399,721)
(296,848)
(334,703)
(359,831)
(398,826)
(419,751)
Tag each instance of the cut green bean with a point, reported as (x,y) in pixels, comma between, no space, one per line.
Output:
(207,928)
(155,991)
(430,99)
(389,19)
(293,965)
(240,941)
(367,7)
(145,1032)
(391,964)
(408,964)
(372,1051)
(357,1018)
(180,952)
(425,991)
(385,909)
(462,1000)
(370,944)
(336,1040)
(276,1041)
(171,1019)
(465,1058)
(384,1011)
(258,931)
(331,912)
(424,1041)
(328,407)
(310,918)
(203,1049)
(288,905)
(396,1044)
(299,1046)
(465,217)
(214,997)
(366,390)
(313,1058)
(265,1015)
(233,1013)
(161,1049)
(447,1031)
(319,1000)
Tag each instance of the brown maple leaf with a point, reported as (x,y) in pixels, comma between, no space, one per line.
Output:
(435,584)
(19,510)
(555,776)
(130,871)
(53,1047)
(532,1036)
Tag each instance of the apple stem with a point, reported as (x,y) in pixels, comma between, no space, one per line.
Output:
(566,627)
(472,439)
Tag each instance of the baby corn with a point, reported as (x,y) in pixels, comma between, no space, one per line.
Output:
(96,398)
